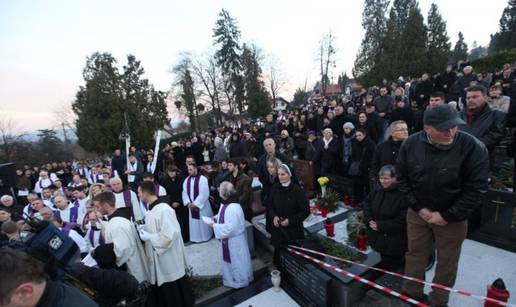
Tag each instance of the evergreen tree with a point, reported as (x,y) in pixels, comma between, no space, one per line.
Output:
(107,95)
(186,85)
(257,96)
(460,51)
(50,145)
(413,42)
(438,42)
(505,38)
(300,97)
(394,44)
(145,107)
(226,35)
(374,23)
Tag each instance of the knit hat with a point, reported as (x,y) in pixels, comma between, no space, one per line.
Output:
(348,125)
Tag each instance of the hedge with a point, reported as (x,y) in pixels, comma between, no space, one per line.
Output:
(495,61)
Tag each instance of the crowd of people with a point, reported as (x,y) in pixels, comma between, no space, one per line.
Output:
(417,154)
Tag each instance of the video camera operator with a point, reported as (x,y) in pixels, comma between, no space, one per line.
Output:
(25,283)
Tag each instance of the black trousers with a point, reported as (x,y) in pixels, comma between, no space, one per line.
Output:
(175,293)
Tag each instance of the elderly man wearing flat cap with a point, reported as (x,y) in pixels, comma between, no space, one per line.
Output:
(443,174)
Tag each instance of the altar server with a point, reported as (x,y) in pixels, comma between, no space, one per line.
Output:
(165,251)
(123,246)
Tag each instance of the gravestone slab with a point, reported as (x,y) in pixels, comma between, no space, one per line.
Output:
(304,281)
(498,220)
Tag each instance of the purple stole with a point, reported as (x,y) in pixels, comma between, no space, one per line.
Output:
(91,237)
(82,172)
(225,242)
(85,220)
(96,177)
(74,213)
(127,198)
(156,192)
(41,184)
(67,227)
(193,211)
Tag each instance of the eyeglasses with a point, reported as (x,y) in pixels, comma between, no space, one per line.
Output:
(401,129)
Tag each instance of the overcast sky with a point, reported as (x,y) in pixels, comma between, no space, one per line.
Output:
(44,44)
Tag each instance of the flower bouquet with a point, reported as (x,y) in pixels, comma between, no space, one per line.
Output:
(323,181)
(328,202)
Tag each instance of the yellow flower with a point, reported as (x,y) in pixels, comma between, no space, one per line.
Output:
(323,181)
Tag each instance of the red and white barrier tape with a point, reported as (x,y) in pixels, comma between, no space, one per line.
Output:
(360,279)
(417,280)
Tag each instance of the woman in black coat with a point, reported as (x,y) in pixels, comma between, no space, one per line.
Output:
(367,124)
(385,211)
(362,151)
(288,208)
(328,156)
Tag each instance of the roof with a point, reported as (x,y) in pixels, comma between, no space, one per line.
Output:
(332,89)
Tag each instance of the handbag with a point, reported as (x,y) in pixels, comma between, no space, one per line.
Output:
(354,169)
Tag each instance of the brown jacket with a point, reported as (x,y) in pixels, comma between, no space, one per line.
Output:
(242,184)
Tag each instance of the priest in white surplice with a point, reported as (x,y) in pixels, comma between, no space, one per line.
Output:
(123,245)
(126,198)
(196,193)
(165,251)
(229,228)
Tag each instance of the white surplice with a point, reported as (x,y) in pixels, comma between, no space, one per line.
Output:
(135,203)
(199,231)
(239,272)
(127,246)
(165,251)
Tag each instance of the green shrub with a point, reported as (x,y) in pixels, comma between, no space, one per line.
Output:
(494,61)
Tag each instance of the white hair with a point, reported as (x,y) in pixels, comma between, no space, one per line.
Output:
(6,197)
(226,190)
(114,179)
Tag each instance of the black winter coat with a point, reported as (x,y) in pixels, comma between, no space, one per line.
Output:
(362,152)
(237,149)
(337,123)
(385,153)
(288,203)
(405,114)
(388,208)
(488,126)
(448,179)
(328,159)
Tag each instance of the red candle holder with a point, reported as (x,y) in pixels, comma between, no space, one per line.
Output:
(361,242)
(330,229)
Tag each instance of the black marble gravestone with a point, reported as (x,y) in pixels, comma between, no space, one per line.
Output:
(498,220)
(303,281)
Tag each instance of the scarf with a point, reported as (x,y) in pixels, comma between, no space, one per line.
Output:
(326,142)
